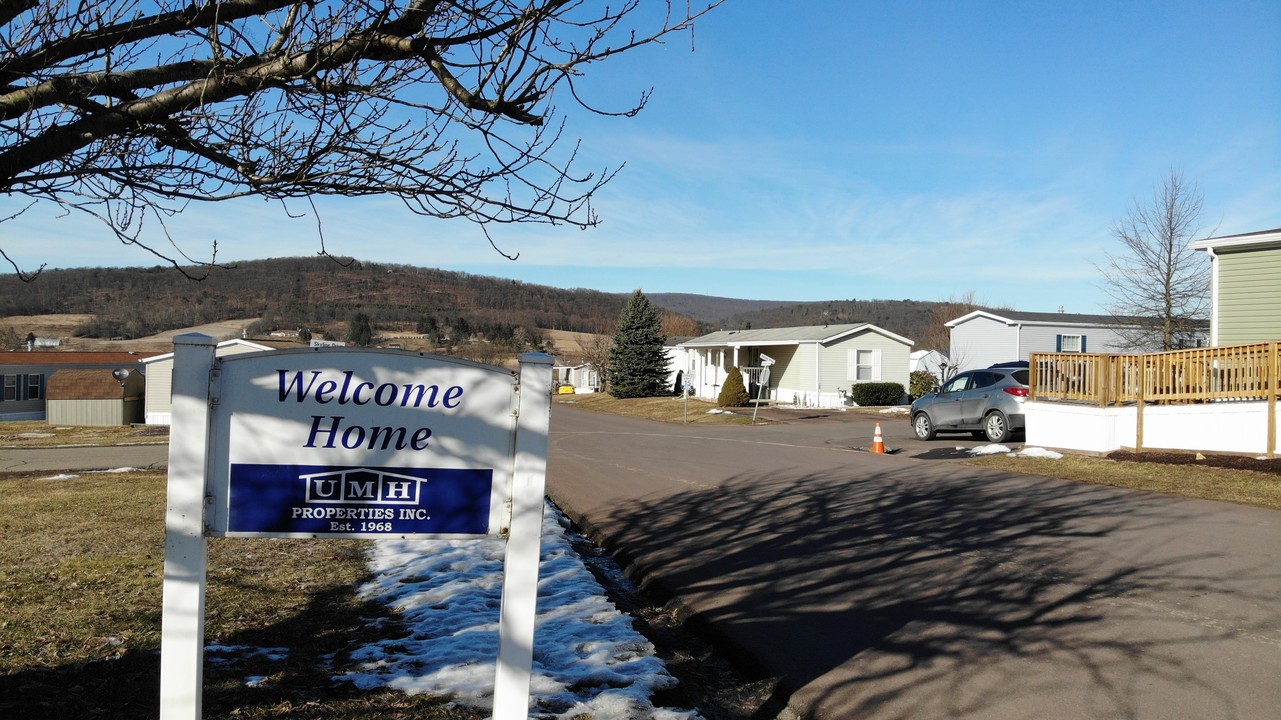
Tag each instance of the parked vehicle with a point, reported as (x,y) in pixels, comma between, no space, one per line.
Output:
(987,403)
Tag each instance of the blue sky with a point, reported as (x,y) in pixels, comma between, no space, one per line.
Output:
(826,149)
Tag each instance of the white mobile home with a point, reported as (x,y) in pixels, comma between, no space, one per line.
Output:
(809,366)
(160,378)
(983,338)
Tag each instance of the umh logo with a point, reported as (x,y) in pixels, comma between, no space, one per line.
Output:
(359,500)
(362,486)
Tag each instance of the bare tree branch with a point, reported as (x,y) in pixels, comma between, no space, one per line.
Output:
(1159,287)
(128,111)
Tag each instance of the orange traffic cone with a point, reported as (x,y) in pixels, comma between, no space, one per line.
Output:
(878,443)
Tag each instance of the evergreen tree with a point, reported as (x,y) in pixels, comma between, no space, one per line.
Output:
(359,331)
(637,362)
(734,392)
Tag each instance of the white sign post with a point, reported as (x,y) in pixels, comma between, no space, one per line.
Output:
(352,443)
(182,629)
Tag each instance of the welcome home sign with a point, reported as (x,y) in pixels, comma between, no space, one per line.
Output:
(357,443)
(351,443)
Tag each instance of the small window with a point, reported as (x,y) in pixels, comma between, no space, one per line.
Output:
(863,366)
(10,387)
(1071,343)
(34,385)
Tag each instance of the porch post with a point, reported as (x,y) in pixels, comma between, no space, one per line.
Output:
(1274,387)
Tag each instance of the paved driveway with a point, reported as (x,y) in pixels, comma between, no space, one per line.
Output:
(891,587)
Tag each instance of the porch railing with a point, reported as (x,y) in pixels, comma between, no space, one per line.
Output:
(1200,375)
(1236,372)
(752,380)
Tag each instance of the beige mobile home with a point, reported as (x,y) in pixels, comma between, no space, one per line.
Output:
(809,366)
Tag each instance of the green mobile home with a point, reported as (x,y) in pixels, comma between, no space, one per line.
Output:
(1245,287)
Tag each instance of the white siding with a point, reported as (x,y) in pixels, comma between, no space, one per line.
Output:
(981,342)
(159,391)
(160,383)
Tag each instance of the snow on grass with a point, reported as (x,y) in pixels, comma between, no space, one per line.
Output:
(73,476)
(997,449)
(588,659)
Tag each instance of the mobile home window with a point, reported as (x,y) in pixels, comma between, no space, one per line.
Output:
(1072,343)
(865,365)
(34,384)
(10,387)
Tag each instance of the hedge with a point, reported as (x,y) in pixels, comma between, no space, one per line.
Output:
(877,393)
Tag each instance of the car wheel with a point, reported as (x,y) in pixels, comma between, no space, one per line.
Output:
(922,426)
(996,427)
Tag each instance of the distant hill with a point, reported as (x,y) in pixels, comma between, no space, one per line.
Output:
(709,309)
(913,319)
(322,296)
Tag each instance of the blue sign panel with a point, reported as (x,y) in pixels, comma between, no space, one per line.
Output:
(344,500)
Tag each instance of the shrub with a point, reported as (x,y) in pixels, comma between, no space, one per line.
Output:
(733,392)
(877,393)
(922,383)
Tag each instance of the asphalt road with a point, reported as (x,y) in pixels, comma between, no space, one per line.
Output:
(83,458)
(888,586)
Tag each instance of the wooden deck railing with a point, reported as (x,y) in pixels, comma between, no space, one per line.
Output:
(1236,372)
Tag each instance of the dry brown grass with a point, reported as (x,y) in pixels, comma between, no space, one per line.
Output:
(663,409)
(1194,481)
(36,434)
(81,563)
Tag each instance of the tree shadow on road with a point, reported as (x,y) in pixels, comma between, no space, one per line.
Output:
(954,596)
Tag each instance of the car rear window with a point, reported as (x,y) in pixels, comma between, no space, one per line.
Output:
(984,379)
(1020,375)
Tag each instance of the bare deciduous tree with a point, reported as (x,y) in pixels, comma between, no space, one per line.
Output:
(1159,287)
(596,352)
(130,110)
(677,325)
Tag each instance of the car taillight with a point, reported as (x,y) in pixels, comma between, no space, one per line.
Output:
(1016,391)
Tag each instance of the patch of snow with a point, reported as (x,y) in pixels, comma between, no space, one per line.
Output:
(719,411)
(61,476)
(36,435)
(219,652)
(1040,452)
(895,410)
(588,659)
(1003,450)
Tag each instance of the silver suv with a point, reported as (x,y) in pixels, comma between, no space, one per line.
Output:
(983,402)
